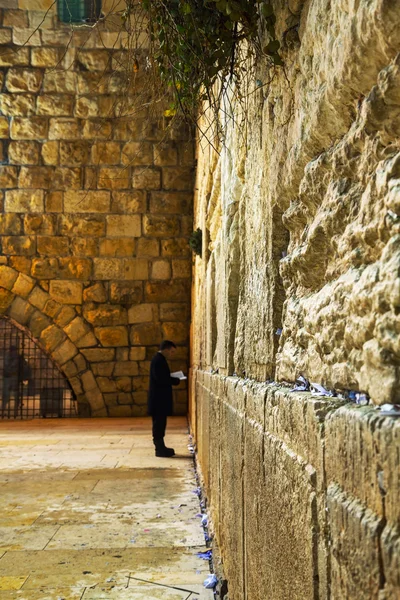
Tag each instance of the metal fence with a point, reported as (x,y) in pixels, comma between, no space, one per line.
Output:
(31,385)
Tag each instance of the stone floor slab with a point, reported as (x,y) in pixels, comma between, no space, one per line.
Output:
(87,511)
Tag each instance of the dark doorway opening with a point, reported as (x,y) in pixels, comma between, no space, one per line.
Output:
(31,384)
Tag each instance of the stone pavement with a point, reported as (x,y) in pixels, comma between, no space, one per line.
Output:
(87,512)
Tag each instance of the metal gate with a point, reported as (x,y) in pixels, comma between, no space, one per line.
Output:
(31,385)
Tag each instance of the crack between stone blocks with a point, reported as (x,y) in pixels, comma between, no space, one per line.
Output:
(170,587)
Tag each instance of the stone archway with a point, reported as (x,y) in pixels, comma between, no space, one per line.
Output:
(59,330)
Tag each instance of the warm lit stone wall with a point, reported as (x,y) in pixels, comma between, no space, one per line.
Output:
(96,207)
(300,274)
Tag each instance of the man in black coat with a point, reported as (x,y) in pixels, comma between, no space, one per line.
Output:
(160,395)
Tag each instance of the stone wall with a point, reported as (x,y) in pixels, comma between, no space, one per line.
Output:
(300,276)
(96,205)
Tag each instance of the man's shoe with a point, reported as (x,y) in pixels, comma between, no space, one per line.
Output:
(162,451)
(165,452)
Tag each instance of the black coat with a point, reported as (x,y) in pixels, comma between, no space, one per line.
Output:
(160,389)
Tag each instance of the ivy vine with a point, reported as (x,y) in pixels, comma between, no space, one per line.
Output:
(196,46)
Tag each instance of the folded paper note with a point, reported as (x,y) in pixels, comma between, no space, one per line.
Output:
(178,375)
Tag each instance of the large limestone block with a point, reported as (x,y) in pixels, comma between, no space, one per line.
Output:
(179,203)
(87,202)
(55,105)
(36,177)
(59,82)
(6,298)
(4,128)
(147,247)
(10,223)
(82,225)
(114,178)
(95,60)
(178,178)
(355,551)
(174,311)
(95,293)
(8,277)
(64,129)
(126,293)
(17,105)
(146,178)
(137,153)
(45,57)
(97,129)
(20,310)
(120,268)
(179,332)
(34,128)
(112,336)
(52,246)
(175,247)
(123,225)
(40,224)
(50,153)
(70,179)
(117,247)
(160,269)
(14,56)
(19,245)
(8,177)
(93,106)
(66,292)
(99,355)
(174,291)
(64,352)
(84,246)
(142,313)
(24,153)
(105,314)
(106,153)
(24,80)
(52,337)
(145,334)
(23,285)
(128,202)
(26,37)
(161,226)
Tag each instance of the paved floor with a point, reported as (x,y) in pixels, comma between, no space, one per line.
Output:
(88,512)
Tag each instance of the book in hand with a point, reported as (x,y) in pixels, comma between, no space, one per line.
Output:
(178,375)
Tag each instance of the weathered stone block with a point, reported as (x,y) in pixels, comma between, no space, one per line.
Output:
(19,244)
(87,202)
(99,354)
(5,36)
(52,308)
(93,106)
(64,129)
(146,178)
(24,201)
(54,202)
(117,247)
(17,105)
(4,129)
(126,293)
(50,153)
(84,247)
(15,18)
(106,314)
(113,178)
(8,277)
(165,155)
(64,352)
(128,202)
(74,153)
(55,105)
(124,225)
(37,323)
(147,247)
(126,368)
(23,286)
(95,60)
(171,202)
(181,269)
(10,224)
(24,153)
(6,298)
(106,153)
(90,226)
(137,353)
(120,268)
(97,129)
(52,337)
(20,310)
(9,177)
(95,293)
(124,384)
(112,336)
(53,245)
(87,341)
(38,298)
(34,128)
(137,153)
(26,37)
(143,313)
(59,82)
(67,179)
(14,56)
(175,247)
(42,5)
(75,268)
(145,334)
(178,178)
(178,332)
(106,385)
(45,57)
(66,292)
(160,269)
(160,226)
(174,291)
(65,316)
(35,177)
(39,224)
(174,312)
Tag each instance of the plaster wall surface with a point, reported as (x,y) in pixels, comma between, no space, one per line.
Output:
(300,274)
(96,205)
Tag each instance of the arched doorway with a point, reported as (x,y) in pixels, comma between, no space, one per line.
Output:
(31,385)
